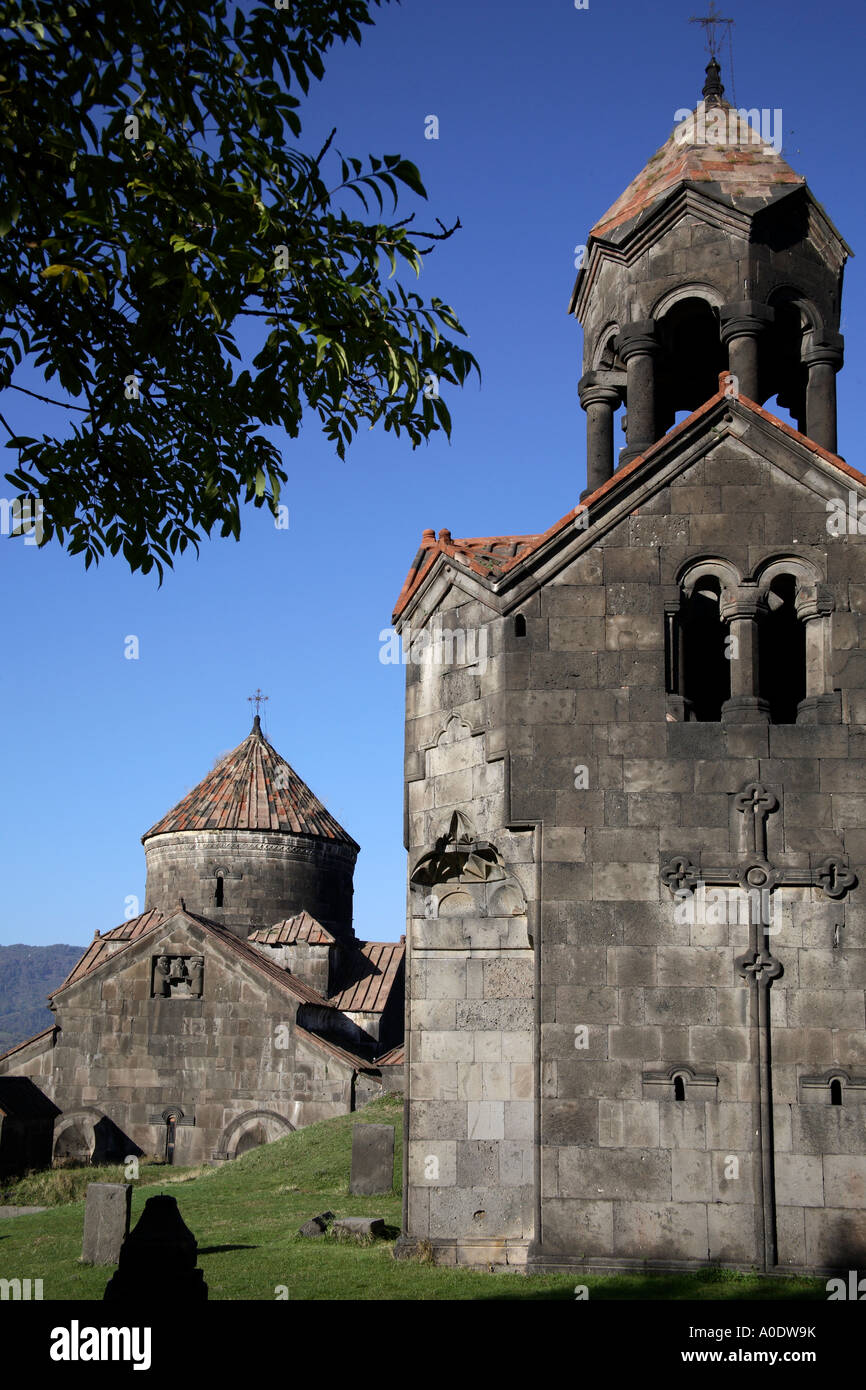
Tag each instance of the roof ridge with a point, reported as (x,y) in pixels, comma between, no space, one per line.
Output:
(628,469)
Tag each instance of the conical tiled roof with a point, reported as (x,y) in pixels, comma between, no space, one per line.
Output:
(714,147)
(253,788)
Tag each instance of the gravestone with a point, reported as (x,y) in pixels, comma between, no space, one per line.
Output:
(372,1159)
(158,1259)
(316,1226)
(360,1228)
(106,1221)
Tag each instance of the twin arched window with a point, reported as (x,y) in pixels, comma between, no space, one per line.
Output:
(737,649)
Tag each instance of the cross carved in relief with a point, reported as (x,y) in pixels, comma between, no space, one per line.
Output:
(758,877)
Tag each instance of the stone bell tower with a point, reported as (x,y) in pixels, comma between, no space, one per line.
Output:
(716,257)
(636,936)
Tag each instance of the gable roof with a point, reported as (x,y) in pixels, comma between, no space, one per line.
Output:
(130,933)
(302,927)
(253,788)
(620,479)
(341,1054)
(368,977)
(51,1030)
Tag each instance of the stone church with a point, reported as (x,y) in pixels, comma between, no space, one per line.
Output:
(635,812)
(238,1006)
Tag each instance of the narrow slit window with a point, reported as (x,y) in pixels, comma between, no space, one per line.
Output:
(679,1088)
(219,890)
(520,626)
(835,1091)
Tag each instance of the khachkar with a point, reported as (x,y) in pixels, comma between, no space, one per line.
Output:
(758,880)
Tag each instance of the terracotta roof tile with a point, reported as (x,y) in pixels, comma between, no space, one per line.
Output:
(368,976)
(129,933)
(743,167)
(529,544)
(488,556)
(253,788)
(303,927)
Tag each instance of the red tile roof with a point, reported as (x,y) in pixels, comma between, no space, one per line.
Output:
(487,556)
(131,932)
(303,927)
(526,545)
(99,950)
(395,1058)
(368,977)
(253,788)
(741,167)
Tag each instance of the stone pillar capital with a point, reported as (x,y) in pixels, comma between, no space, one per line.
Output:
(744,318)
(829,351)
(813,601)
(597,388)
(740,603)
(637,339)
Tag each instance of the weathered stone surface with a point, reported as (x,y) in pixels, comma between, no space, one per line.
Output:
(360,1228)
(107,1207)
(372,1159)
(629,759)
(316,1226)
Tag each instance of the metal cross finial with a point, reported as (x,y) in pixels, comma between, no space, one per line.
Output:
(258,700)
(710,22)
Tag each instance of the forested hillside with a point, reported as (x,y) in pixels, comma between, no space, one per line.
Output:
(27,974)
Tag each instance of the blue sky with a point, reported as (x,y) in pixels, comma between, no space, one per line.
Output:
(545,114)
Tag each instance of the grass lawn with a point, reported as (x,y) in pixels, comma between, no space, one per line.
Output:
(245,1216)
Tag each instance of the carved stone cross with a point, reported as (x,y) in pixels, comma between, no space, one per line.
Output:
(759,878)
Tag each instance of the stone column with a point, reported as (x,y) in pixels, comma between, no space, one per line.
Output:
(740,609)
(637,345)
(813,605)
(822,361)
(599,398)
(742,325)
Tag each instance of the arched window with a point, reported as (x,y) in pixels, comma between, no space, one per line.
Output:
(220,889)
(690,360)
(835,1091)
(706,670)
(782,652)
(520,626)
(679,1087)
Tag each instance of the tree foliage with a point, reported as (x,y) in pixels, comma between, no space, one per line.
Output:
(182,276)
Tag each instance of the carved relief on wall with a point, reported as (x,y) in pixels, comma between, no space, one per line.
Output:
(462,893)
(177,977)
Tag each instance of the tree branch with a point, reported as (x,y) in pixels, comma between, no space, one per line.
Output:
(64,405)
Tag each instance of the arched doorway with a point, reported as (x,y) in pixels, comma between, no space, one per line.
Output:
(73,1145)
(251,1139)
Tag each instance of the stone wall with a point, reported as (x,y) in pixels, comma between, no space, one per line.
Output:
(470,970)
(268,876)
(629,990)
(225,1064)
(654,1138)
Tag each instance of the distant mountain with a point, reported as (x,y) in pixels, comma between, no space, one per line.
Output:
(27,974)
